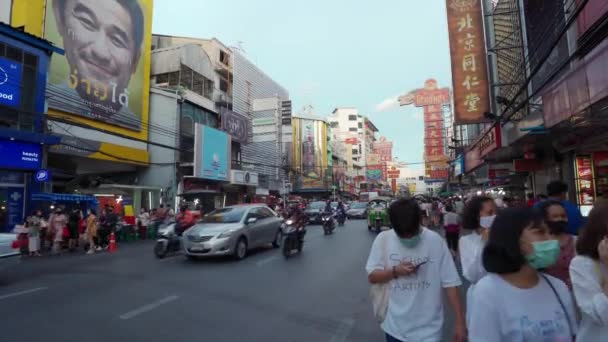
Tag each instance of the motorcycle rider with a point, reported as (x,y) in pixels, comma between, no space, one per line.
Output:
(184,220)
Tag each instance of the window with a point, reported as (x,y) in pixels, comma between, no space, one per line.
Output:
(224,58)
(360,124)
(352,118)
(334,124)
(265,212)
(353,129)
(355,151)
(223,85)
(421,178)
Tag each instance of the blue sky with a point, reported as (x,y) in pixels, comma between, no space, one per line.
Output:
(332,53)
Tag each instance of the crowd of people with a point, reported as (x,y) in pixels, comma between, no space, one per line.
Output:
(67,228)
(537,271)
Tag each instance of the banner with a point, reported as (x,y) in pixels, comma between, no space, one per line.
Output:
(211,153)
(104,75)
(10,83)
(468,56)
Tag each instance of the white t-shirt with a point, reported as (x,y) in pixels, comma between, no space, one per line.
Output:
(502,312)
(450,218)
(470,248)
(590,298)
(415,309)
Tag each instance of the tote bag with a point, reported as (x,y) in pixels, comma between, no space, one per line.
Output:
(380,293)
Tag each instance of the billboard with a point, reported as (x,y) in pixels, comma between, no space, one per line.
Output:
(211,153)
(103,79)
(10,83)
(236,125)
(468,56)
(19,155)
(383,149)
(310,153)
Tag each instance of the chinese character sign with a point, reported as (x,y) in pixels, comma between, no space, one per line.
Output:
(467,49)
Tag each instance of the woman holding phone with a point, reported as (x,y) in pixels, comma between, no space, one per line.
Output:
(515,301)
(589,276)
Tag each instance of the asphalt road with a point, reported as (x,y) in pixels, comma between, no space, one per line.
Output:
(320,295)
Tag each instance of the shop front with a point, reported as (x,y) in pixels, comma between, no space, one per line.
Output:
(242,187)
(18,163)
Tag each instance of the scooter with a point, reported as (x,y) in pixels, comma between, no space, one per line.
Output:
(328,223)
(341,216)
(293,237)
(168,241)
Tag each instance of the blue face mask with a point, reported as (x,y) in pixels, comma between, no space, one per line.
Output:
(545,254)
(411,242)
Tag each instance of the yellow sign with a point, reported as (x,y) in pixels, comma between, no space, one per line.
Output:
(103,79)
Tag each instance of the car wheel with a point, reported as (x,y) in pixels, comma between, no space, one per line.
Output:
(240,249)
(277,239)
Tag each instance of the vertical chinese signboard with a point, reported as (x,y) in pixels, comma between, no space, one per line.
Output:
(584,180)
(468,55)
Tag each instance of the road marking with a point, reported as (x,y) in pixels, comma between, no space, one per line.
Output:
(267,260)
(148,307)
(20,293)
(344,330)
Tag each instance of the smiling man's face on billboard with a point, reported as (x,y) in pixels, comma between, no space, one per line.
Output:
(103,44)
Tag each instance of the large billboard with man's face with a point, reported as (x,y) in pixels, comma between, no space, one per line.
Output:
(103,77)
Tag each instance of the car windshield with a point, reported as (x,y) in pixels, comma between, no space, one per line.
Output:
(334,205)
(316,205)
(358,205)
(224,215)
(378,205)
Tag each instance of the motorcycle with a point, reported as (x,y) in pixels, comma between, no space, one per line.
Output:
(168,241)
(328,223)
(341,217)
(293,237)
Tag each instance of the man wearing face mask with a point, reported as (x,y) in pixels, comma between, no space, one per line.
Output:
(417,266)
(556,218)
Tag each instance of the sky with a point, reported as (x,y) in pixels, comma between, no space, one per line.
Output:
(332,53)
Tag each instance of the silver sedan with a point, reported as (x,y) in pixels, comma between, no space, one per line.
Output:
(233,231)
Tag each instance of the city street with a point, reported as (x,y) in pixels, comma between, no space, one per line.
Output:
(320,295)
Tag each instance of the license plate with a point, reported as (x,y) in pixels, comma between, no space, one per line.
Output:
(197,248)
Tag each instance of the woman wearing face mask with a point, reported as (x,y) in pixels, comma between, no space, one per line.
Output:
(417,267)
(515,301)
(478,215)
(589,275)
(556,219)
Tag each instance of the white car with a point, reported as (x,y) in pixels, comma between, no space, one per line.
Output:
(9,255)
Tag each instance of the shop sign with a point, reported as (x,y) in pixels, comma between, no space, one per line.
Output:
(235,125)
(600,168)
(351,141)
(584,180)
(199,185)
(243,177)
(42,175)
(394,173)
(439,174)
(8,177)
(14,206)
(489,142)
(498,173)
(527,165)
(18,155)
(468,56)
(10,83)
(459,165)
(211,153)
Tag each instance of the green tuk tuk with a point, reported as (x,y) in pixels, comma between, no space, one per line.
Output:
(377,216)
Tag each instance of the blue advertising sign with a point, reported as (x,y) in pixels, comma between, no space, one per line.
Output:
(10,83)
(14,207)
(42,175)
(18,155)
(459,165)
(212,154)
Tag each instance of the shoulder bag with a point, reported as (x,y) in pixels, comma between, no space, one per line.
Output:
(380,293)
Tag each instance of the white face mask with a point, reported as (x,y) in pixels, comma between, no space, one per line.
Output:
(486,221)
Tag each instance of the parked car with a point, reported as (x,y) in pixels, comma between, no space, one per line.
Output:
(233,231)
(313,211)
(358,210)
(9,250)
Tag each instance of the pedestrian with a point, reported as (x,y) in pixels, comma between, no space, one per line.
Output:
(73,226)
(589,275)
(144,222)
(556,219)
(515,301)
(458,206)
(558,191)
(478,216)
(58,225)
(91,231)
(451,224)
(531,201)
(409,266)
(34,223)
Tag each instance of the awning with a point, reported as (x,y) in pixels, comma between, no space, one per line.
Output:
(49,197)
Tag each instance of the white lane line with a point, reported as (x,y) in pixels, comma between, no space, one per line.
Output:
(343,332)
(20,293)
(148,307)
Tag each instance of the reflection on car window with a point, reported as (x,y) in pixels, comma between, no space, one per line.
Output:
(265,212)
(359,205)
(224,215)
(378,205)
(316,205)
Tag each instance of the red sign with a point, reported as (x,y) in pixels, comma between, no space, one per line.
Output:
(433,134)
(489,142)
(585,184)
(439,174)
(468,56)
(394,173)
(498,173)
(351,141)
(384,149)
(429,97)
(432,151)
(394,185)
(527,165)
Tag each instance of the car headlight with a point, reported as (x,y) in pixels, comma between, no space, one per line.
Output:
(289,222)
(226,234)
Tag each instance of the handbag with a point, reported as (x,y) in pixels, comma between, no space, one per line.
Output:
(561,303)
(380,293)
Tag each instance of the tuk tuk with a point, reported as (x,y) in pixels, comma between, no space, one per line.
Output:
(377,216)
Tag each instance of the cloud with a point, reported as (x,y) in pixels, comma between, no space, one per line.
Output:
(388,104)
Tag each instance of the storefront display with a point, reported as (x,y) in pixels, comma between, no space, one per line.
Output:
(585,182)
